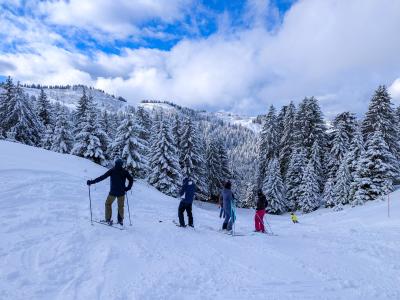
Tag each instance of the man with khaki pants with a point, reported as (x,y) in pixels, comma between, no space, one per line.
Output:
(108,208)
(118,176)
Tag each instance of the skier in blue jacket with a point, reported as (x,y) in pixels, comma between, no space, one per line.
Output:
(227,198)
(187,195)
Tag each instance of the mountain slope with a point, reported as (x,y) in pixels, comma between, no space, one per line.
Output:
(226,117)
(49,250)
(235,119)
(70,97)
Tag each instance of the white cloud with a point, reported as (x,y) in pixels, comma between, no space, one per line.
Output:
(340,51)
(120,18)
(49,66)
(394,90)
(322,48)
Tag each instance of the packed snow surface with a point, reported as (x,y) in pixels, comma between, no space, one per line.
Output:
(49,249)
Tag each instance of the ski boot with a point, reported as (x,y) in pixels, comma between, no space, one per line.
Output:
(108,222)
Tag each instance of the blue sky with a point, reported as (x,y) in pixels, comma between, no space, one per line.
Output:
(229,55)
(200,24)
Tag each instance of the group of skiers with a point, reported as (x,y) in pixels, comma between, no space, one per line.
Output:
(227,208)
(118,176)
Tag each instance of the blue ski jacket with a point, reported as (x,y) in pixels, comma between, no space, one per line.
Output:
(187,191)
(227,198)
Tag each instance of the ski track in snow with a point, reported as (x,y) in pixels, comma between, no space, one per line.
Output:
(49,249)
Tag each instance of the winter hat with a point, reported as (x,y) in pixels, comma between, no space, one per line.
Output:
(119,163)
(228,185)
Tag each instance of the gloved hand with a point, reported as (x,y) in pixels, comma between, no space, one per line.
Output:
(89,182)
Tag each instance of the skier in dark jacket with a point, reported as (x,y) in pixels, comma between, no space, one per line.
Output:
(227,198)
(187,195)
(260,211)
(118,176)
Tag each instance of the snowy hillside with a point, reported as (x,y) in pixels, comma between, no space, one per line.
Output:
(235,119)
(49,250)
(154,106)
(226,117)
(70,97)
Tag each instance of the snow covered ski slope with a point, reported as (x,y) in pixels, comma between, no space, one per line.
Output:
(49,250)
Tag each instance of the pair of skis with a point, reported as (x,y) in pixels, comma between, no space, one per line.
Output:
(246,234)
(263,233)
(179,225)
(109,224)
(231,233)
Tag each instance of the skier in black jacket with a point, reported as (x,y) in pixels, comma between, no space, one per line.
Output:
(260,211)
(118,176)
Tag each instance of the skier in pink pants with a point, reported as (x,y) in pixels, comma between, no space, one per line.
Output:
(260,211)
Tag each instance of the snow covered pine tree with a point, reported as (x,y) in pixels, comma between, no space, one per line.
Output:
(130,148)
(274,189)
(164,164)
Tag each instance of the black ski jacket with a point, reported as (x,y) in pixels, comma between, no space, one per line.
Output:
(262,202)
(118,176)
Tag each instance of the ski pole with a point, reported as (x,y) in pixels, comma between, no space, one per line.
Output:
(269,226)
(90,205)
(129,212)
(233,217)
(231,220)
(262,222)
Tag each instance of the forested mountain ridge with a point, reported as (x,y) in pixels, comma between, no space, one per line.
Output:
(293,157)
(70,95)
(234,142)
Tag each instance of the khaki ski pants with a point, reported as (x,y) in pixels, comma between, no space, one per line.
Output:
(108,210)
